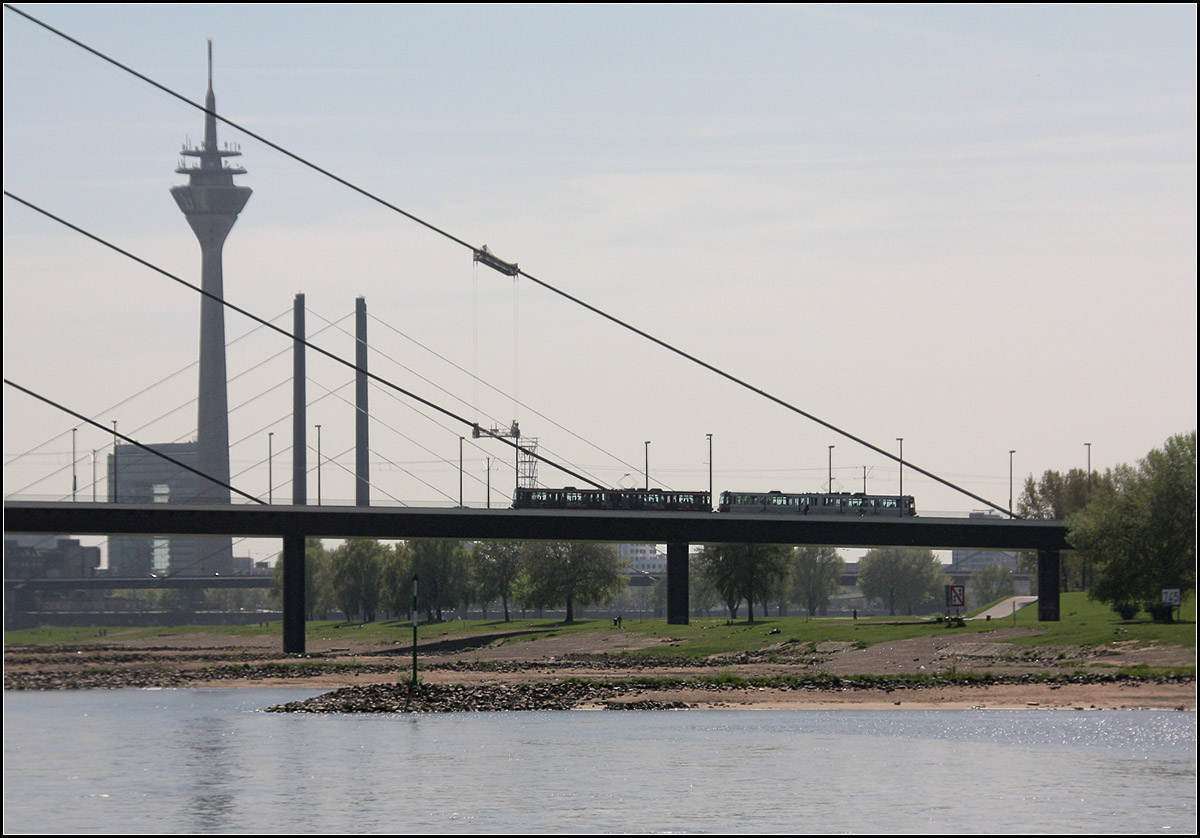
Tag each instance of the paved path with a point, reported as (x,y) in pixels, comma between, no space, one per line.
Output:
(1005,607)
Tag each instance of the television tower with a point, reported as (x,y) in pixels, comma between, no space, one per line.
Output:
(211,202)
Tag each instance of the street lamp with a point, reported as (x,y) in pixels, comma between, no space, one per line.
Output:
(270,464)
(460,470)
(831,469)
(647,465)
(1089,482)
(1010,480)
(116,499)
(710,482)
(900,440)
(74,479)
(318,465)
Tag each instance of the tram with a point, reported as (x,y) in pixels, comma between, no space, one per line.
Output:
(776,503)
(652,500)
(815,503)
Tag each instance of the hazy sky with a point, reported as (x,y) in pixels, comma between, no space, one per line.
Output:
(970,227)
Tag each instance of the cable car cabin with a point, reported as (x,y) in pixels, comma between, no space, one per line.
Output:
(812,503)
(633,500)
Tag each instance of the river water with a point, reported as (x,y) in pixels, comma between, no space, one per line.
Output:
(206,761)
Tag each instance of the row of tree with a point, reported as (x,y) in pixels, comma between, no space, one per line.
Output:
(905,580)
(1138,529)
(1133,528)
(364,578)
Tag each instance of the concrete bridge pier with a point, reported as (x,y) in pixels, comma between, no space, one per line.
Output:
(293,595)
(1049,568)
(677,584)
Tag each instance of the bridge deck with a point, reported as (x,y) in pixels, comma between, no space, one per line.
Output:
(529,524)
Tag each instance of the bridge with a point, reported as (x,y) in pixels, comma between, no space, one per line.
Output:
(212,204)
(678,530)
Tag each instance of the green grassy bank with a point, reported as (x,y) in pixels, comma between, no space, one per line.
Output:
(1084,623)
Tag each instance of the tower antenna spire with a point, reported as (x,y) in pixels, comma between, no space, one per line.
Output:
(210,65)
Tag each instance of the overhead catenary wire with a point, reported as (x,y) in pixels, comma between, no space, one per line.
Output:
(516,271)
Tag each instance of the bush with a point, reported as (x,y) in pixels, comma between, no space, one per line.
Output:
(1160,613)
(1127,610)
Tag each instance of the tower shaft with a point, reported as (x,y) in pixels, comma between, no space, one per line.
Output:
(211,202)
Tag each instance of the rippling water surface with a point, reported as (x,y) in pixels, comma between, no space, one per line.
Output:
(211,761)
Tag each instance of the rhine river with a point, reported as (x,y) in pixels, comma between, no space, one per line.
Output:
(208,761)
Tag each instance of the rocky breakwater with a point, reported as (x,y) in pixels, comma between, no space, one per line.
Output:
(458,698)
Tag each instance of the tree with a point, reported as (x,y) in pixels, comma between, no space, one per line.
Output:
(901,577)
(1057,496)
(815,575)
(316,578)
(396,581)
(570,572)
(356,569)
(1140,530)
(744,571)
(441,567)
(702,595)
(992,582)
(494,569)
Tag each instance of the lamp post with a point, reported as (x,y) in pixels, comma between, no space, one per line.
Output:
(900,440)
(116,499)
(831,469)
(460,471)
(318,465)
(489,482)
(710,482)
(270,465)
(1089,475)
(1010,481)
(74,478)
(647,465)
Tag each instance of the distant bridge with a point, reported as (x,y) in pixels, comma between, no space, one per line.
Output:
(293,524)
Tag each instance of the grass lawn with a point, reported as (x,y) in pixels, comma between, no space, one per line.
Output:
(1084,623)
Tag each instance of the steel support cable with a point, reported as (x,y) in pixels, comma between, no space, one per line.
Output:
(241,128)
(495,389)
(410,370)
(409,439)
(448,430)
(130,398)
(144,425)
(437,457)
(350,364)
(252,368)
(657,341)
(333,459)
(314,401)
(746,385)
(130,440)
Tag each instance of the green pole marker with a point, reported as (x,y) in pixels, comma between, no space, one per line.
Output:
(414,621)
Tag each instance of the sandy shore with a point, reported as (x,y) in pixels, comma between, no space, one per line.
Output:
(819,680)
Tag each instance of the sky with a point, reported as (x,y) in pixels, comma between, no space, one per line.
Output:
(970,227)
